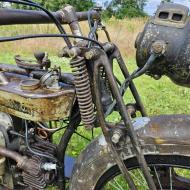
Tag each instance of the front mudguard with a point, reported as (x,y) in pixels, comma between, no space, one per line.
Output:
(159,135)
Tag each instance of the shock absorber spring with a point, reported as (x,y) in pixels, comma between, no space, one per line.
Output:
(83,91)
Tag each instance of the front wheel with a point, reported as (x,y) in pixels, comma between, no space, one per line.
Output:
(96,170)
(166,145)
(167,172)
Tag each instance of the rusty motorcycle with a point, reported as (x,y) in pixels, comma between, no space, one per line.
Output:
(34,95)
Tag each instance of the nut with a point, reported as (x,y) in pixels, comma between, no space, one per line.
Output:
(159,47)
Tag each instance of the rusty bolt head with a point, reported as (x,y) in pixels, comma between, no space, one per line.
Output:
(159,47)
(92,54)
(74,52)
(117,134)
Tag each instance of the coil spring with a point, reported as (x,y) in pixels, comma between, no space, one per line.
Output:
(83,91)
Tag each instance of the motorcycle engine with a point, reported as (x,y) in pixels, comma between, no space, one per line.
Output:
(170,25)
(36,172)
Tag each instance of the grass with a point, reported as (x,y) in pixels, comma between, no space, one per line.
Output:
(122,32)
(159,97)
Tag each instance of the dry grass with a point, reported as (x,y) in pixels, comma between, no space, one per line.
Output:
(122,32)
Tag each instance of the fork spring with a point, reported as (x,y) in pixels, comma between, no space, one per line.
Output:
(83,91)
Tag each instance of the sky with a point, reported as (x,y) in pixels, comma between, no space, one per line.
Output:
(152,5)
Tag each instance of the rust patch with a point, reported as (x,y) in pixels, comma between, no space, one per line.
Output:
(37,105)
(159,141)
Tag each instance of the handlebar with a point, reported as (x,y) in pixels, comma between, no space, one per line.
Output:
(15,16)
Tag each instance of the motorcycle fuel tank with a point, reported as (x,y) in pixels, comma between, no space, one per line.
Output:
(23,97)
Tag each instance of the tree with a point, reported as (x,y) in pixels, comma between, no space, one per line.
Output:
(126,8)
(169,1)
(58,4)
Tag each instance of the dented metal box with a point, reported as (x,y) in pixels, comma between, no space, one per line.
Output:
(38,104)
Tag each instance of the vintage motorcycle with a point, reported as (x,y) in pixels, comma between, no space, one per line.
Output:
(33,96)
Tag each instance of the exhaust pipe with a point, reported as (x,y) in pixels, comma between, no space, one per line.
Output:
(22,161)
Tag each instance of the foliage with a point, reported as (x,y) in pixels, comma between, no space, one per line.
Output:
(169,1)
(118,8)
(2,5)
(125,8)
(58,4)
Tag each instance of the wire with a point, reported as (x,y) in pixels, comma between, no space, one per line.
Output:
(55,20)
(17,134)
(92,34)
(93,28)
(127,81)
(31,2)
(82,136)
(51,130)
(23,37)
(89,19)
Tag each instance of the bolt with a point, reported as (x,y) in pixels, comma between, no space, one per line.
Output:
(74,52)
(92,54)
(117,134)
(159,47)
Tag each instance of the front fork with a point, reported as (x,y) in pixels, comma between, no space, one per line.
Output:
(101,59)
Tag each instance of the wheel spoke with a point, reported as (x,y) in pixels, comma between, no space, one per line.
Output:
(142,176)
(168,174)
(171,183)
(138,180)
(158,179)
(121,188)
(114,186)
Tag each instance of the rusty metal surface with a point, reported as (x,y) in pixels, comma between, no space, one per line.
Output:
(167,129)
(70,13)
(103,61)
(83,91)
(65,77)
(32,172)
(36,105)
(117,55)
(14,16)
(98,154)
(172,11)
(171,26)
(157,135)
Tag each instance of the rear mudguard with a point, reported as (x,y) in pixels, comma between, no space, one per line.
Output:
(159,135)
